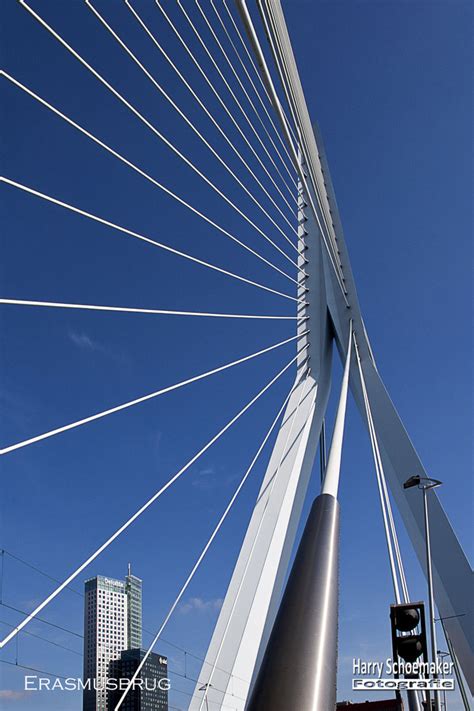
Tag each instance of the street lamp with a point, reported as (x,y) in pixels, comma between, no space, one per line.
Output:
(425,484)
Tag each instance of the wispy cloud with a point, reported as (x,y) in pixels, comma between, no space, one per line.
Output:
(197,604)
(209,478)
(10,695)
(86,343)
(82,340)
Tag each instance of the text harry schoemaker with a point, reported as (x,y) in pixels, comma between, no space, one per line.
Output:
(369,675)
(39,683)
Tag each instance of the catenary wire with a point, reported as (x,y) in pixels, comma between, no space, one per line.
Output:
(61,676)
(163,640)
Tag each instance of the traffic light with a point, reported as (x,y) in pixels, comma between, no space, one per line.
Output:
(408,633)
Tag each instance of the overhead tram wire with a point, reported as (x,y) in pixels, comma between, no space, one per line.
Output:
(80,654)
(61,676)
(205,549)
(149,502)
(144,398)
(41,619)
(232,93)
(189,123)
(224,105)
(160,312)
(244,90)
(151,127)
(44,639)
(163,640)
(256,71)
(144,238)
(203,106)
(294,415)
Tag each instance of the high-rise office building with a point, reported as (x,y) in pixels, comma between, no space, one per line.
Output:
(105,636)
(150,689)
(133,589)
(112,624)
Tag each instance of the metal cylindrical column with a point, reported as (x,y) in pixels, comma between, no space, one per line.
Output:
(298,670)
(434,646)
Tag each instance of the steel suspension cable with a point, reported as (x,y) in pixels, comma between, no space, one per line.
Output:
(148,124)
(378,471)
(232,93)
(203,140)
(207,112)
(223,104)
(244,90)
(295,111)
(333,256)
(262,518)
(204,551)
(144,398)
(252,62)
(144,238)
(128,309)
(257,93)
(145,506)
(193,127)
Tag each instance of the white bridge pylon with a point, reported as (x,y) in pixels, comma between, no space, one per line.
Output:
(251,602)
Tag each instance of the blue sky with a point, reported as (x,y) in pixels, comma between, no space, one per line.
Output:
(388,83)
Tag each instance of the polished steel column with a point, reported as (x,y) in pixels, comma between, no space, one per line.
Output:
(298,670)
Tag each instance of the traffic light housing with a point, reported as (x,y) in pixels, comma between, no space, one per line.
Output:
(409,642)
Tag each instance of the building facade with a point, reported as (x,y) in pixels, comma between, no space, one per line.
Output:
(105,636)
(112,624)
(150,690)
(133,589)
(395,704)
